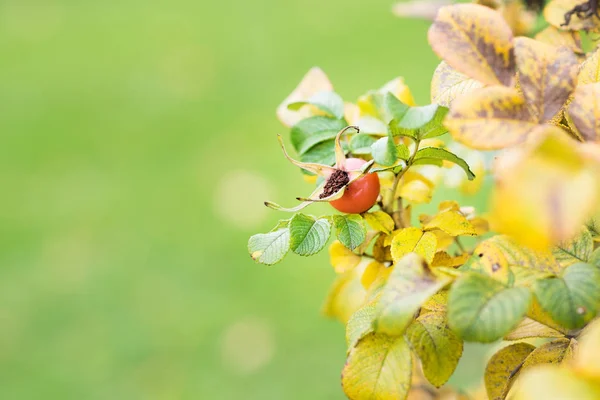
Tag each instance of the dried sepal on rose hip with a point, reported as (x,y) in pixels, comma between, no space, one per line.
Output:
(348,186)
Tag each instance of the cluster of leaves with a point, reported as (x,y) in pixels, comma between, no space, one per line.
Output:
(408,290)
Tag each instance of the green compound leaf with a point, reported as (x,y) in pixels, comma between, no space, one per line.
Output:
(481,309)
(314,130)
(437,346)
(503,367)
(379,367)
(571,299)
(578,249)
(435,153)
(361,144)
(308,235)
(360,324)
(409,285)
(350,230)
(269,248)
(329,102)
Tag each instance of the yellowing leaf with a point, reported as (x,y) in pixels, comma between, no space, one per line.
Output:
(443,259)
(476,41)
(577,249)
(586,359)
(379,367)
(346,295)
(546,195)
(341,258)
(381,248)
(380,221)
(502,367)
(416,191)
(547,76)
(529,328)
(452,222)
(555,352)
(371,273)
(413,240)
(437,346)
(313,82)
(490,118)
(590,69)
(448,84)
(584,111)
(437,303)
(555,14)
(560,38)
(549,382)
(360,324)
(400,90)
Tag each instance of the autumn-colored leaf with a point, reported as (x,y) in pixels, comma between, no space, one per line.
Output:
(584,111)
(490,118)
(546,194)
(529,328)
(555,352)
(576,249)
(551,383)
(586,359)
(452,222)
(547,76)
(380,221)
(378,367)
(341,258)
(561,38)
(448,84)
(346,295)
(413,240)
(476,41)
(502,368)
(590,69)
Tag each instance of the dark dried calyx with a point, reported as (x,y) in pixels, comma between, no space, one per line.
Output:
(336,181)
(585,10)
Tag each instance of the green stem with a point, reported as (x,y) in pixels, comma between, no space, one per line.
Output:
(389,204)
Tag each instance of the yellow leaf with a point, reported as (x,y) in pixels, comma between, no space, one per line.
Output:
(529,328)
(399,89)
(416,191)
(381,248)
(452,222)
(490,118)
(476,41)
(313,82)
(371,272)
(590,69)
(444,240)
(500,370)
(413,240)
(555,352)
(547,76)
(586,358)
(549,382)
(560,38)
(584,111)
(481,225)
(555,14)
(341,258)
(518,17)
(443,259)
(380,221)
(437,303)
(546,194)
(536,313)
(448,84)
(346,295)
(378,367)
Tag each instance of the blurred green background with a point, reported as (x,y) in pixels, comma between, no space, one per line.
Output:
(137,145)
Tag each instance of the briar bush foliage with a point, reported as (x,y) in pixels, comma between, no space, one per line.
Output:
(409,291)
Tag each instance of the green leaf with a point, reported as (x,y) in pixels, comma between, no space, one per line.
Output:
(394,107)
(481,309)
(403,151)
(384,151)
(571,299)
(409,285)
(437,346)
(503,368)
(421,122)
(595,258)
(350,230)
(379,367)
(436,153)
(323,153)
(361,144)
(578,249)
(314,130)
(329,102)
(269,248)
(308,235)
(360,324)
